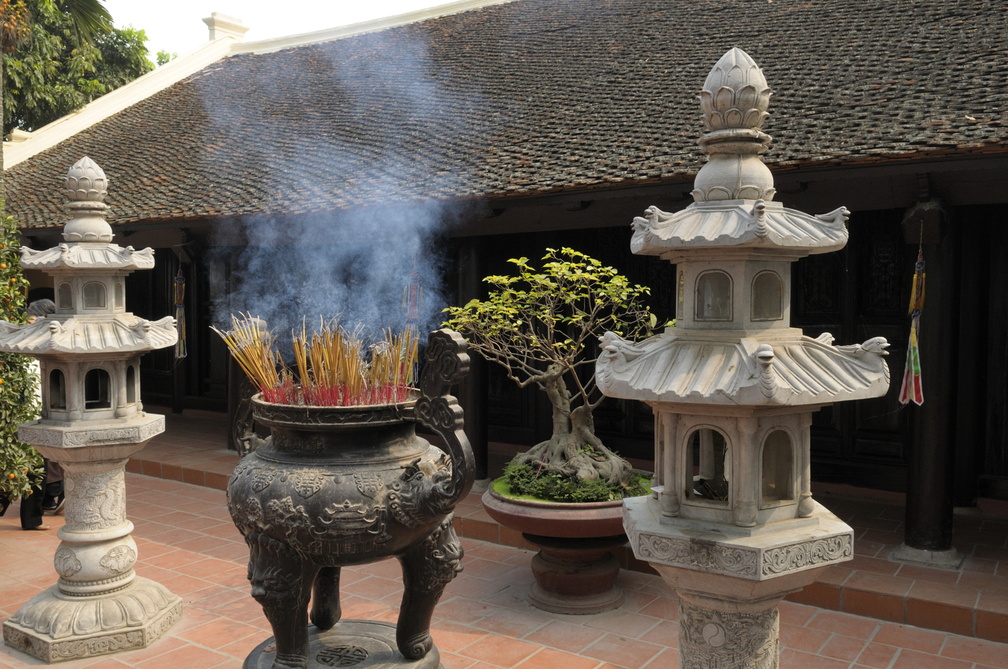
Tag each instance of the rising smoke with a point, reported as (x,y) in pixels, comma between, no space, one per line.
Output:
(358,257)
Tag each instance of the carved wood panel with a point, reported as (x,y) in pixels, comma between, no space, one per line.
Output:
(856,294)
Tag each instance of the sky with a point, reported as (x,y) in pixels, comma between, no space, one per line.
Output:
(177,26)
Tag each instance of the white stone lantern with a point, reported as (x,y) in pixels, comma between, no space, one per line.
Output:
(732,525)
(92,421)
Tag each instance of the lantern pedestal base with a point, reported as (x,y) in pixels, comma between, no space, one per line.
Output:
(55,627)
(364,644)
(730,580)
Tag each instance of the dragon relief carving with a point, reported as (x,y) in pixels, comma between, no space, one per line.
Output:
(101,498)
(726,638)
(416,498)
(443,556)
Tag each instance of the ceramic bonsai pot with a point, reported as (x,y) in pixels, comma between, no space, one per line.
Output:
(575,569)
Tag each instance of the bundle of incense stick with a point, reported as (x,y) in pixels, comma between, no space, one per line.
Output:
(331,364)
(253,347)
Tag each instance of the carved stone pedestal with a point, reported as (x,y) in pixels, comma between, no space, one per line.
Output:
(731,579)
(99,605)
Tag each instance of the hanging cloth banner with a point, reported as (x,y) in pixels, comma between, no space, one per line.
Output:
(912,389)
(180,345)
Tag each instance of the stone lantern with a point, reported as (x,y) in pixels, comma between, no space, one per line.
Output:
(731,523)
(91,422)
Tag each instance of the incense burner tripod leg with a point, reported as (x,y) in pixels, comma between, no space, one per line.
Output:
(326,610)
(282,583)
(428,567)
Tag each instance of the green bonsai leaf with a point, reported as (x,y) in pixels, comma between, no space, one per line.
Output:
(542,326)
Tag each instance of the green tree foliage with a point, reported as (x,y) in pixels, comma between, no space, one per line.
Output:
(542,326)
(164,57)
(61,68)
(19,462)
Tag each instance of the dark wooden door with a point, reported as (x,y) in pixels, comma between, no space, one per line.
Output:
(855,294)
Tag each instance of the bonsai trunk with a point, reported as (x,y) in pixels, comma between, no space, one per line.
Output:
(574,449)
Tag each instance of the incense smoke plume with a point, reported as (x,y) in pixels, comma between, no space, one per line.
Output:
(375,235)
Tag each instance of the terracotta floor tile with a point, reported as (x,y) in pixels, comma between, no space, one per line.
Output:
(804,639)
(841,647)
(517,624)
(870,604)
(624,624)
(907,636)
(494,585)
(992,626)
(794,659)
(838,623)
(927,574)
(940,616)
(564,636)
(667,659)
(218,632)
(665,633)
(663,608)
(186,656)
(911,659)
(547,658)
(878,584)
(976,650)
(622,651)
(453,637)
(499,650)
(819,595)
(953,595)
(877,655)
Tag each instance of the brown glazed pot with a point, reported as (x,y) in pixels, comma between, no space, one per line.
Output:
(338,486)
(575,569)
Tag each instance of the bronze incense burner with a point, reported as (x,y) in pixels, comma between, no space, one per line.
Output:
(337,486)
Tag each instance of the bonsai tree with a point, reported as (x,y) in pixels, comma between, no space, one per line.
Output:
(542,326)
(20,464)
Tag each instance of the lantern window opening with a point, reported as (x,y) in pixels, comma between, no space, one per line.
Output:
(57,395)
(64,296)
(708,466)
(131,383)
(120,296)
(767,296)
(97,390)
(777,468)
(713,296)
(94,294)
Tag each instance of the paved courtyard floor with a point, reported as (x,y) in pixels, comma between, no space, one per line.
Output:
(188,543)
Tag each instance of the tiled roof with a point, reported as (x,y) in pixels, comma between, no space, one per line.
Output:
(537,96)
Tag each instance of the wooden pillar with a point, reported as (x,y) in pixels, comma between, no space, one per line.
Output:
(931,451)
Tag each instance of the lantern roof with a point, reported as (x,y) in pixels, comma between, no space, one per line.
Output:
(738,224)
(86,255)
(788,369)
(120,333)
(733,192)
(733,215)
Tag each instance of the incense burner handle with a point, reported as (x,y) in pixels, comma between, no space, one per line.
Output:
(447,364)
